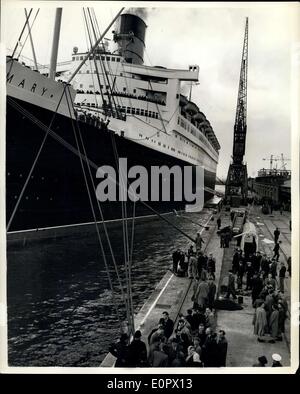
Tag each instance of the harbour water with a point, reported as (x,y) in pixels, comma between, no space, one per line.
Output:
(60,309)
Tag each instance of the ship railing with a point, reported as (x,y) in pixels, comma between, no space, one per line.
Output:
(197,133)
(139,97)
(124,94)
(195,126)
(105,110)
(92,120)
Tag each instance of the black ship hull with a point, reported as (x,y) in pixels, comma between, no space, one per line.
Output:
(56,194)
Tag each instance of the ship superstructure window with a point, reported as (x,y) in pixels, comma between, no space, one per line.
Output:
(108,58)
(124,89)
(87,71)
(81,57)
(118,59)
(112,59)
(73,58)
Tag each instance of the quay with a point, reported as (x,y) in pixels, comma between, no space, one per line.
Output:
(243,347)
(173,294)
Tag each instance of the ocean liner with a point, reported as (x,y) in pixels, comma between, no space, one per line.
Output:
(116,106)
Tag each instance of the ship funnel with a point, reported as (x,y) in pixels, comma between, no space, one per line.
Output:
(129,35)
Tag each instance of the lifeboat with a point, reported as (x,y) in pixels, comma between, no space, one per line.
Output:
(204,125)
(183,101)
(191,108)
(199,117)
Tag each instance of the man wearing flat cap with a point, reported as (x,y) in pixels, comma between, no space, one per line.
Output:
(262,361)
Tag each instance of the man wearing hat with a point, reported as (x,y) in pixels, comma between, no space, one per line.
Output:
(199,241)
(264,265)
(120,351)
(282,272)
(235,260)
(137,351)
(276,234)
(276,360)
(231,285)
(262,361)
(211,265)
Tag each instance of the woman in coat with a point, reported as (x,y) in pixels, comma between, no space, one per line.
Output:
(202,294)
(281,320)
(273,323)
(260,322)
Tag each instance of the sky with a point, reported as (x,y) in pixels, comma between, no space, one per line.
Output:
(210,35)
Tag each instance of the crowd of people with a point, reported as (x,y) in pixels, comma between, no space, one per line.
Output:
(193,342)
(264,277)
(194,263)
(93,120)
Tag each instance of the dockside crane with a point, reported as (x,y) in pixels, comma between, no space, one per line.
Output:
(281,158)
(236,183)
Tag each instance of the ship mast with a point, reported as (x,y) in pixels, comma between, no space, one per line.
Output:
(55,42)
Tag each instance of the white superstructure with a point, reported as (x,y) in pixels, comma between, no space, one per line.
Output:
(143,103)
(154,112)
